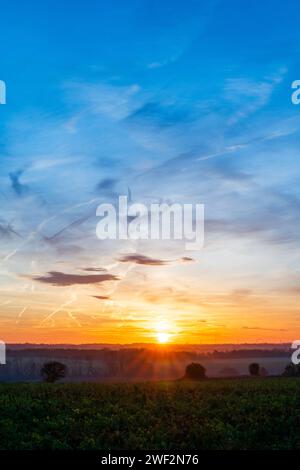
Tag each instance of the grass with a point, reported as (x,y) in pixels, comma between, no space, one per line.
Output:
(213,414)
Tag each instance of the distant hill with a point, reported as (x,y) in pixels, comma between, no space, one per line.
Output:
(205,348)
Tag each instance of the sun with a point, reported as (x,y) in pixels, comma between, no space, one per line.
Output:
(162,332)
(162,337)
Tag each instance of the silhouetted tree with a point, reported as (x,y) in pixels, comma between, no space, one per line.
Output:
(53,371)
(195,371)
(254,369)
(292,370)
(263,372)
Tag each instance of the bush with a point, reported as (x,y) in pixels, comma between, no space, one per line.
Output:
(292,370)
(254,369)
(195,371)
(263,372)
(53,371)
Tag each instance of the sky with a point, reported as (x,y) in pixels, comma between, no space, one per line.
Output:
(180,102)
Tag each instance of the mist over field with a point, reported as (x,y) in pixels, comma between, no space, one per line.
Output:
(139,364)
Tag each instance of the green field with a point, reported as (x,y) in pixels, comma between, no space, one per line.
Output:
(213,414)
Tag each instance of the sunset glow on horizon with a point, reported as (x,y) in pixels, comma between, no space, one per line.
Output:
(177,116)
(162,337)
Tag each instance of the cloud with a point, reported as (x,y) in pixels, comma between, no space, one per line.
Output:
(241,293)
(57,278)
(7,231)
(16,185)
(107,187)
(101,297)
(107,184)
(69,249)
(144,260)
(165,62)
(281,229)
(113,102)
(161,114)
(94,270)
(250,95)
(263,329)
(76,223)
(187,259)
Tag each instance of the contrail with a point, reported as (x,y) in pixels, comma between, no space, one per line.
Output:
(20,314)
(75,223)
(59,309)
(33,234)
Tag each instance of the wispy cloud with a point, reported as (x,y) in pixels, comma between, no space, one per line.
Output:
(250,95)
(101,297)
(19,188)
(263,329)
(7,230)
(57,278)
(142,259)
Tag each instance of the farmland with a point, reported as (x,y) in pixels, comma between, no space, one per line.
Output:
(212,414)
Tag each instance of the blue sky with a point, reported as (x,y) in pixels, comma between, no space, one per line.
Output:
(179,101)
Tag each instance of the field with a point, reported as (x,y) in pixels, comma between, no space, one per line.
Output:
(213,414)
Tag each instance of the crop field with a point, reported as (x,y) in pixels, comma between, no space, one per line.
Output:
(213,414)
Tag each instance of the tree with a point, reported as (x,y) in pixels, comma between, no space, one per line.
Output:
(53,371)
(195,371)
(263,372)
(254,369)
(292,370)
